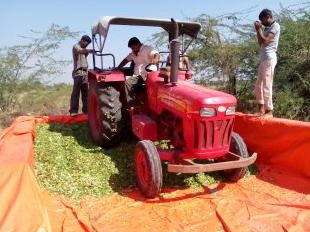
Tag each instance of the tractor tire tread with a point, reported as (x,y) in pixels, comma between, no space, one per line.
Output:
(154,184)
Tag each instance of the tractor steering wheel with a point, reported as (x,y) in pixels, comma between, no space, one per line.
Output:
(151,68)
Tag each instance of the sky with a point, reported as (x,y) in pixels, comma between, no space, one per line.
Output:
(18,17)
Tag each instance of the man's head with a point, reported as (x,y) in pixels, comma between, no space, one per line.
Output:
(135,44)
(266,17)
(85,40)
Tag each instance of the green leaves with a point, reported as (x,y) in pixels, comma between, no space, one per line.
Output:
(34,60)
(225,56)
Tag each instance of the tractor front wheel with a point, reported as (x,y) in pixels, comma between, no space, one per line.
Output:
(148,169)
(238,147)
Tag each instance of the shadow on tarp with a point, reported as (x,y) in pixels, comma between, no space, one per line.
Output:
(269,201)
(174,194)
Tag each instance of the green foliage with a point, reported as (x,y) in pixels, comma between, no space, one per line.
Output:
(225,56)
(224,50)
(160,41)
(245,96)
(295,34)
(68,163)
(20,65)
(289,104)
(292,79)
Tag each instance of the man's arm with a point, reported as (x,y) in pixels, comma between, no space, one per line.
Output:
(260,35)
(122,64)
(79,50)
(83,51)
(263,39)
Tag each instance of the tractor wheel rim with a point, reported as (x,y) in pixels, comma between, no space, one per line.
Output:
(94,116)
(142,168)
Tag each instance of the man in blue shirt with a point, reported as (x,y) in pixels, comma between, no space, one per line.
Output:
(268,38)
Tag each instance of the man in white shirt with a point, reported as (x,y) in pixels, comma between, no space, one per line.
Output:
(142,55)
(268,41)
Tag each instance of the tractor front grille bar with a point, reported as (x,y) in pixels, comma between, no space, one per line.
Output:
(210,134)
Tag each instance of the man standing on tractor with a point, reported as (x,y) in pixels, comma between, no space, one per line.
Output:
(142,55)
(268,41)
(79,75)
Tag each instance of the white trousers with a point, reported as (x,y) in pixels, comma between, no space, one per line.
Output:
(263,86)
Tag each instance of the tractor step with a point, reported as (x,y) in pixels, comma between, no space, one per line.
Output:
(144,127)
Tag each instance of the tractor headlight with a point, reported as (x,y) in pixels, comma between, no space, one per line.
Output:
(231,110)
(207,112)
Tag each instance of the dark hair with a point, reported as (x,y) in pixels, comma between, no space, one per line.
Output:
(133,41)
(86,38)
(264,13)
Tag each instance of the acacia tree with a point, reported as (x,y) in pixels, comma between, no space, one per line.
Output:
(225,50)
(21,65)
(292,80)
(228,49)
(225,56)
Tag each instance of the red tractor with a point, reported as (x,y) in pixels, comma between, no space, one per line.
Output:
(196,121)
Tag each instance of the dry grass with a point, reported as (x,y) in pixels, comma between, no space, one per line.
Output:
(40,100)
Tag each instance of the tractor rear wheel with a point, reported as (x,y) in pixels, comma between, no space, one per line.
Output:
(104,114)
(238,147)
(148,169)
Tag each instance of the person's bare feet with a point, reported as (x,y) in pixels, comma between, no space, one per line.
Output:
(261,110)
(268,114)
(258,114)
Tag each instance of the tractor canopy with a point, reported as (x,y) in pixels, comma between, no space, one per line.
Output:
(185,28)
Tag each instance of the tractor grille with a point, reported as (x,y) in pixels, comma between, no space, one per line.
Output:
(212,134)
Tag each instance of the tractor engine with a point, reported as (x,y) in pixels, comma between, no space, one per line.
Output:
(171,128)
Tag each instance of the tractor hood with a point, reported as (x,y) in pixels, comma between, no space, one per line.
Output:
(205,95)
(189,98)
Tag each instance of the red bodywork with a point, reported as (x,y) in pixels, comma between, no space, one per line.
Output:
(205,137)
(185,121)
(105,76)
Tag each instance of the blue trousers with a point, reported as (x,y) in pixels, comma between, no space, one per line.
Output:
(79,86)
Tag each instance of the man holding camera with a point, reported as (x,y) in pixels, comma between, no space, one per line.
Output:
(268,33)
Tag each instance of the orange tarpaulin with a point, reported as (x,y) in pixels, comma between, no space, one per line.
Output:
(279,142)
(277,199)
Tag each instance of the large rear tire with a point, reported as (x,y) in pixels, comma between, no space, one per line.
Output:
(148,169)
(104,114)
(238,147)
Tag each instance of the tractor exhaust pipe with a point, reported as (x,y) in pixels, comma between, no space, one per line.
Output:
(175,47)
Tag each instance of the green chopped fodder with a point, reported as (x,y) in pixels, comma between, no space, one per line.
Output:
(70,164)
